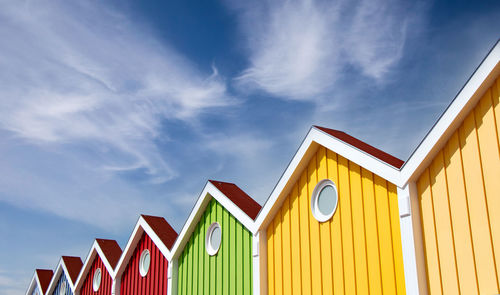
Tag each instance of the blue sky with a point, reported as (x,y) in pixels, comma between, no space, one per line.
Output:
(115,108)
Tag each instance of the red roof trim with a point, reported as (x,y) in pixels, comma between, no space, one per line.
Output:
(44,277)
(73,265)
(111,250)
(238,197)
(162,229)
(379,154)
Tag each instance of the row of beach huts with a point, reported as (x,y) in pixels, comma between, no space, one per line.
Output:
(344,218)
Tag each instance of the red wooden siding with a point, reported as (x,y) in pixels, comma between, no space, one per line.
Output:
(155,281)
(106,281)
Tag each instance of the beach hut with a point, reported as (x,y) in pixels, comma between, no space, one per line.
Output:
(453,182)
(40,282)
(96,276)
(332,223)
(144,266)
(213,253)
(64,278)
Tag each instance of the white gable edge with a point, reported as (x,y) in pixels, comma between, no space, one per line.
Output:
(55,277)
(307,148)
(34,282)
(140,227)
(454,115)
(95,250)
(209,191)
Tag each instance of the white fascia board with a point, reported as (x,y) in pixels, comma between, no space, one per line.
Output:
(55,277)
(33,284)
(309,145)
(86,267)
(232,208)
(128,251)
(454,115)
(95,250)
(140,227)
(68,278)
(208,192)
(156,240)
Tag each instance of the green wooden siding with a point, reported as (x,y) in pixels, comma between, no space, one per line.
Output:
(227,272)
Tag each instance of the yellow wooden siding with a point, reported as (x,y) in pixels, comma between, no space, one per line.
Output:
(459,194)
(357,251)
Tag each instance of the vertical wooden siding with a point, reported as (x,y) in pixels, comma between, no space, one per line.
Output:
(62,280)
(357,251)
(106,280)
(155,281)
(227,272)
(459,195)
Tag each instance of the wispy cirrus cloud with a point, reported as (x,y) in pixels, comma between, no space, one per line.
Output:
(79,72)
(300,48)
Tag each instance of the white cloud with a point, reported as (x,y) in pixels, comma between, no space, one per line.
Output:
(300,48)
(78,72)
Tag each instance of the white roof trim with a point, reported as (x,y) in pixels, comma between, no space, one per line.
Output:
(33,284)
(61,267)
(309,145)
(140,227)
(453,117)
(209,191)
(95,250)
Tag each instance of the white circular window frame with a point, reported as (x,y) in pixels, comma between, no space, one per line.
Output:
(315,198)
(96,281)
(142,269)
(210,250)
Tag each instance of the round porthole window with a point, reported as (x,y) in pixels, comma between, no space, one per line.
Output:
(324,200)
(96,282)
(213,238)
(144,262)
(63,288)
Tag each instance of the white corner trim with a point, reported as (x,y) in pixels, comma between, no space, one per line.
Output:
(255,264)
(172,277)
(408,244)
(463,103)
(316,136)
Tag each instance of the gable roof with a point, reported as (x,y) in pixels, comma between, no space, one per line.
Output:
(480,81)
(231,197)
(71,266)
(379,154)
(108,250)
(111,250)
(238,197)
(353,149)
(41,278)
(162,229)
(160,232)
